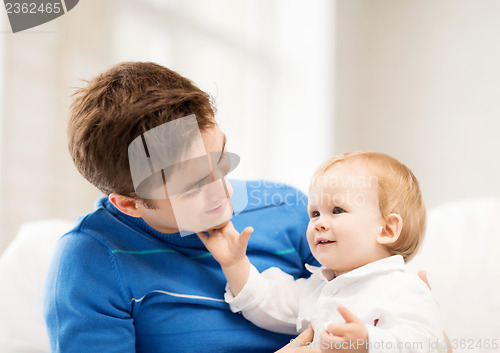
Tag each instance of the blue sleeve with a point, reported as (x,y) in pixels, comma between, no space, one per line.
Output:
(85,306)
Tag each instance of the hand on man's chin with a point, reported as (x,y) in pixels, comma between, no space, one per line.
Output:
(219,226)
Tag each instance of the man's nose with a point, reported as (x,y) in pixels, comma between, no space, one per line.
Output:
(216,190)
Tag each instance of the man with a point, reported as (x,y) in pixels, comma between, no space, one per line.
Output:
(132,276)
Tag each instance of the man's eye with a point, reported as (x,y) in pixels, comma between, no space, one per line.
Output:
(338,210)
(314,214)
(192,192)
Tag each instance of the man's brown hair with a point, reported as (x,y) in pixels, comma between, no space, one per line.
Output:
(121,104)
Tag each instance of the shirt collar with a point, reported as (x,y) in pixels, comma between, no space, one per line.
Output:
(385,265)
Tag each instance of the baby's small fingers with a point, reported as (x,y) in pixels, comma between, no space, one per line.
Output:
(423,276)
(247,232)
(203,237)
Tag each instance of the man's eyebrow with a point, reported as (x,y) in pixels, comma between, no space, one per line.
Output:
(223,147)
(192,185)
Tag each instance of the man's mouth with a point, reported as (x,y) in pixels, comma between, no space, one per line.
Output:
(217,209)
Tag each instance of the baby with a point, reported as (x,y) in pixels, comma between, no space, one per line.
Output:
(367,218)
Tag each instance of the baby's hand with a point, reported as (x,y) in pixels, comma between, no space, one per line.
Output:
(352,336)
(226,245)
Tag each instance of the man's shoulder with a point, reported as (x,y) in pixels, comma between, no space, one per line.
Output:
(270,206)
(99,226)
(261,194)
(87,221)
(272,186)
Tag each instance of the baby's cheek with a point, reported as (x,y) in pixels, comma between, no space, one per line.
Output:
(309,235)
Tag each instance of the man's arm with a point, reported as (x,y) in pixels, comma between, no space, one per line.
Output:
(85,307)
(410,319)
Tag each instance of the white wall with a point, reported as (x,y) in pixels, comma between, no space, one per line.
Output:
(41,67)
(420,80)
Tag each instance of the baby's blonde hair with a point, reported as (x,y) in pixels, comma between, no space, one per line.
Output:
(398,192)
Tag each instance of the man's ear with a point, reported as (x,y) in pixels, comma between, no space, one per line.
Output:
(391,230)
(125,204)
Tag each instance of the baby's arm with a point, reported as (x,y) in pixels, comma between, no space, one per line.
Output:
(229,247)
(269,299)
(350,336)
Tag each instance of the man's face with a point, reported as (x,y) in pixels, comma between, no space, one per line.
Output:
(198,191)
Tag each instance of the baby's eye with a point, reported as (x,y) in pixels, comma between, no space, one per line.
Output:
(338,210)
(314,214)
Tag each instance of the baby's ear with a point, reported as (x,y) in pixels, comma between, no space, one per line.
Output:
(391,230)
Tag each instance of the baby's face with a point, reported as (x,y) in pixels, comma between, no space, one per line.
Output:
(345,218)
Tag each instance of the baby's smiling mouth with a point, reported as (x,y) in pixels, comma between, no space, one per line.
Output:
(321,241)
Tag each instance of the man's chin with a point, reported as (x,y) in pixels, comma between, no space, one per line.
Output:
(219,226)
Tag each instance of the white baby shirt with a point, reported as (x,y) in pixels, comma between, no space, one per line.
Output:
(406,315)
